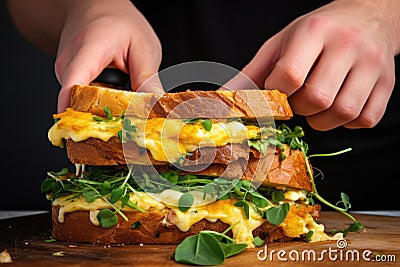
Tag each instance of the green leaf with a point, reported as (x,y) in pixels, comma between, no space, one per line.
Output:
(259,144)
(245,205)
(90,195)
(116,194)
(201,249)
(170,176)
(210,189)
(47,185)
(136,225)
(276,215)
(107,218)
(207,124)
(62,172)
(258,242)
(105,188)
(130,204)
(352,228)
(345,201)
(51,240)
(108,113)
(232,249)
(309,235)
(188,121)
(185,201)
(277,196)
(258,199)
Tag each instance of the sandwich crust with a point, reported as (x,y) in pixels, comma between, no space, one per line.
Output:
(229,161)
(154,228)
(246,104)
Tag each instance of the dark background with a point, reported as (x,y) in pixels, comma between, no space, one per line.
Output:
(29,92)
(28,95)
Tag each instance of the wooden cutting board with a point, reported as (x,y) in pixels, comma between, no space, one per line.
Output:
(24,239)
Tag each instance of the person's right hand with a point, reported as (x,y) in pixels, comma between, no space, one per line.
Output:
(100,34)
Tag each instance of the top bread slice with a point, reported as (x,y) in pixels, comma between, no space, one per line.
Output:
(244,104)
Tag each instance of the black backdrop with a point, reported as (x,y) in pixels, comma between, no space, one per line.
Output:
(29,96)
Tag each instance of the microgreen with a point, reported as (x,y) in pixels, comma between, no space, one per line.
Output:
(276,215)
(258,241)
(207,248)
(109,116)
(185,201)
(355,227)
(107,218)
(259,144)
(50,240)
(193,120)
(345,202)
(127,129)
(309,235)
(136,225)
(207,124)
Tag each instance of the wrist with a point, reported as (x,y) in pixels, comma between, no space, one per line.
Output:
(383,16)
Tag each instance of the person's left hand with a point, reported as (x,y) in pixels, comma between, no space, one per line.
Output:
(336,63)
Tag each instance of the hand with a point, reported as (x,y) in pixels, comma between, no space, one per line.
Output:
(336,63)
(102,34)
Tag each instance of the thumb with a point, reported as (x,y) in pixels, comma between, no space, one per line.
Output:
(83,68)
(143,68)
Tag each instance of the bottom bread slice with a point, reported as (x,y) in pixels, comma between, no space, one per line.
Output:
(150,227)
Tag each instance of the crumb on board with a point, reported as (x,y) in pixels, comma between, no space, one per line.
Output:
(58,253)
(5,257)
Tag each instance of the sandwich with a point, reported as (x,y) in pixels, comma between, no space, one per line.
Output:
(157,169)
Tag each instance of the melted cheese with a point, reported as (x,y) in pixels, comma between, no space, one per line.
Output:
(68,204)
(166,139)
(80,126)
(297,223)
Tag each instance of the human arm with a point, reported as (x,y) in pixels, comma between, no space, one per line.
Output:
(336,63)
(88,36)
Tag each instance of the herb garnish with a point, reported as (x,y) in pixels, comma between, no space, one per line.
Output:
(258,241)
(206,123)
(296,143)
(207,248)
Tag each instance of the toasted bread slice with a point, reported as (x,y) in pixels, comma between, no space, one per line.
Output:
(154,227)
(228,161)
(244,104)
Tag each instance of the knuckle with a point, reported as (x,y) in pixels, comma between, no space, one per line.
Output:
(317,97)
(376,56)
(347,112)
(368,121)
(315,22)
(291,73)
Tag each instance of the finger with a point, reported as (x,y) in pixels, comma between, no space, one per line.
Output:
(144,63)
(376,105)
(239,81)
(349,102)
(323,84)
(298,56)
(84,67)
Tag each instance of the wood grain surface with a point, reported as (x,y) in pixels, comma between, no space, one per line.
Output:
(24,239)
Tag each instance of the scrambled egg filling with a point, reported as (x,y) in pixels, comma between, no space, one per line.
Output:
(166,139)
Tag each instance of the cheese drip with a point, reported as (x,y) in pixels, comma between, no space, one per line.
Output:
(80,126)
(297,223)
(166,139)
